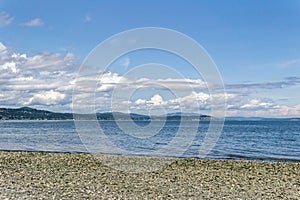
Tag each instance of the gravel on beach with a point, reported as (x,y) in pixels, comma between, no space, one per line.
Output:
(37,175)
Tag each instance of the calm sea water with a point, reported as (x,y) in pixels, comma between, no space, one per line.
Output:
(250,140)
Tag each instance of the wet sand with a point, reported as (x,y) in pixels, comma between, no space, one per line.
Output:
(33,175)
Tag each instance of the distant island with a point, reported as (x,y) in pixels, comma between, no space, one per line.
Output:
(27,113)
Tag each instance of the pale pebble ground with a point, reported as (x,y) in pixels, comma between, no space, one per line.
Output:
(25,175)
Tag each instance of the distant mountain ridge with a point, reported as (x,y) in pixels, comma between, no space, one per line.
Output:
(27,113)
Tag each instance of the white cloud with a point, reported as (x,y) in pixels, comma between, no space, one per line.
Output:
(188,103)
(9,65)
(257,104)
(156,100)
(140,102)
(5,19)
(34,22)
(48,60)
(42,79)
(46,98)
(108,81)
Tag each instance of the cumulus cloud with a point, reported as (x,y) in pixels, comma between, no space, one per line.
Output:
(46,98)
(189,103)
(156,100)
(9,66)
(33,22)
(42,79)
(5,19)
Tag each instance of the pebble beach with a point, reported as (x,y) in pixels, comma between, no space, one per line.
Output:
(38,175)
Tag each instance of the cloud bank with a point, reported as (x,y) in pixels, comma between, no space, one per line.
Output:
(46,81)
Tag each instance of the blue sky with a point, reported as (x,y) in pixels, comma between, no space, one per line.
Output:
(255,45)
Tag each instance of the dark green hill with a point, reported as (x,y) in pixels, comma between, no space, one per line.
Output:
(26,113)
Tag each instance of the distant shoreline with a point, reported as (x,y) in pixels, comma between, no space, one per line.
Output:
(27,113)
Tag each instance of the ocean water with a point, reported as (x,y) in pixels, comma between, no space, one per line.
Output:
(247,140)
